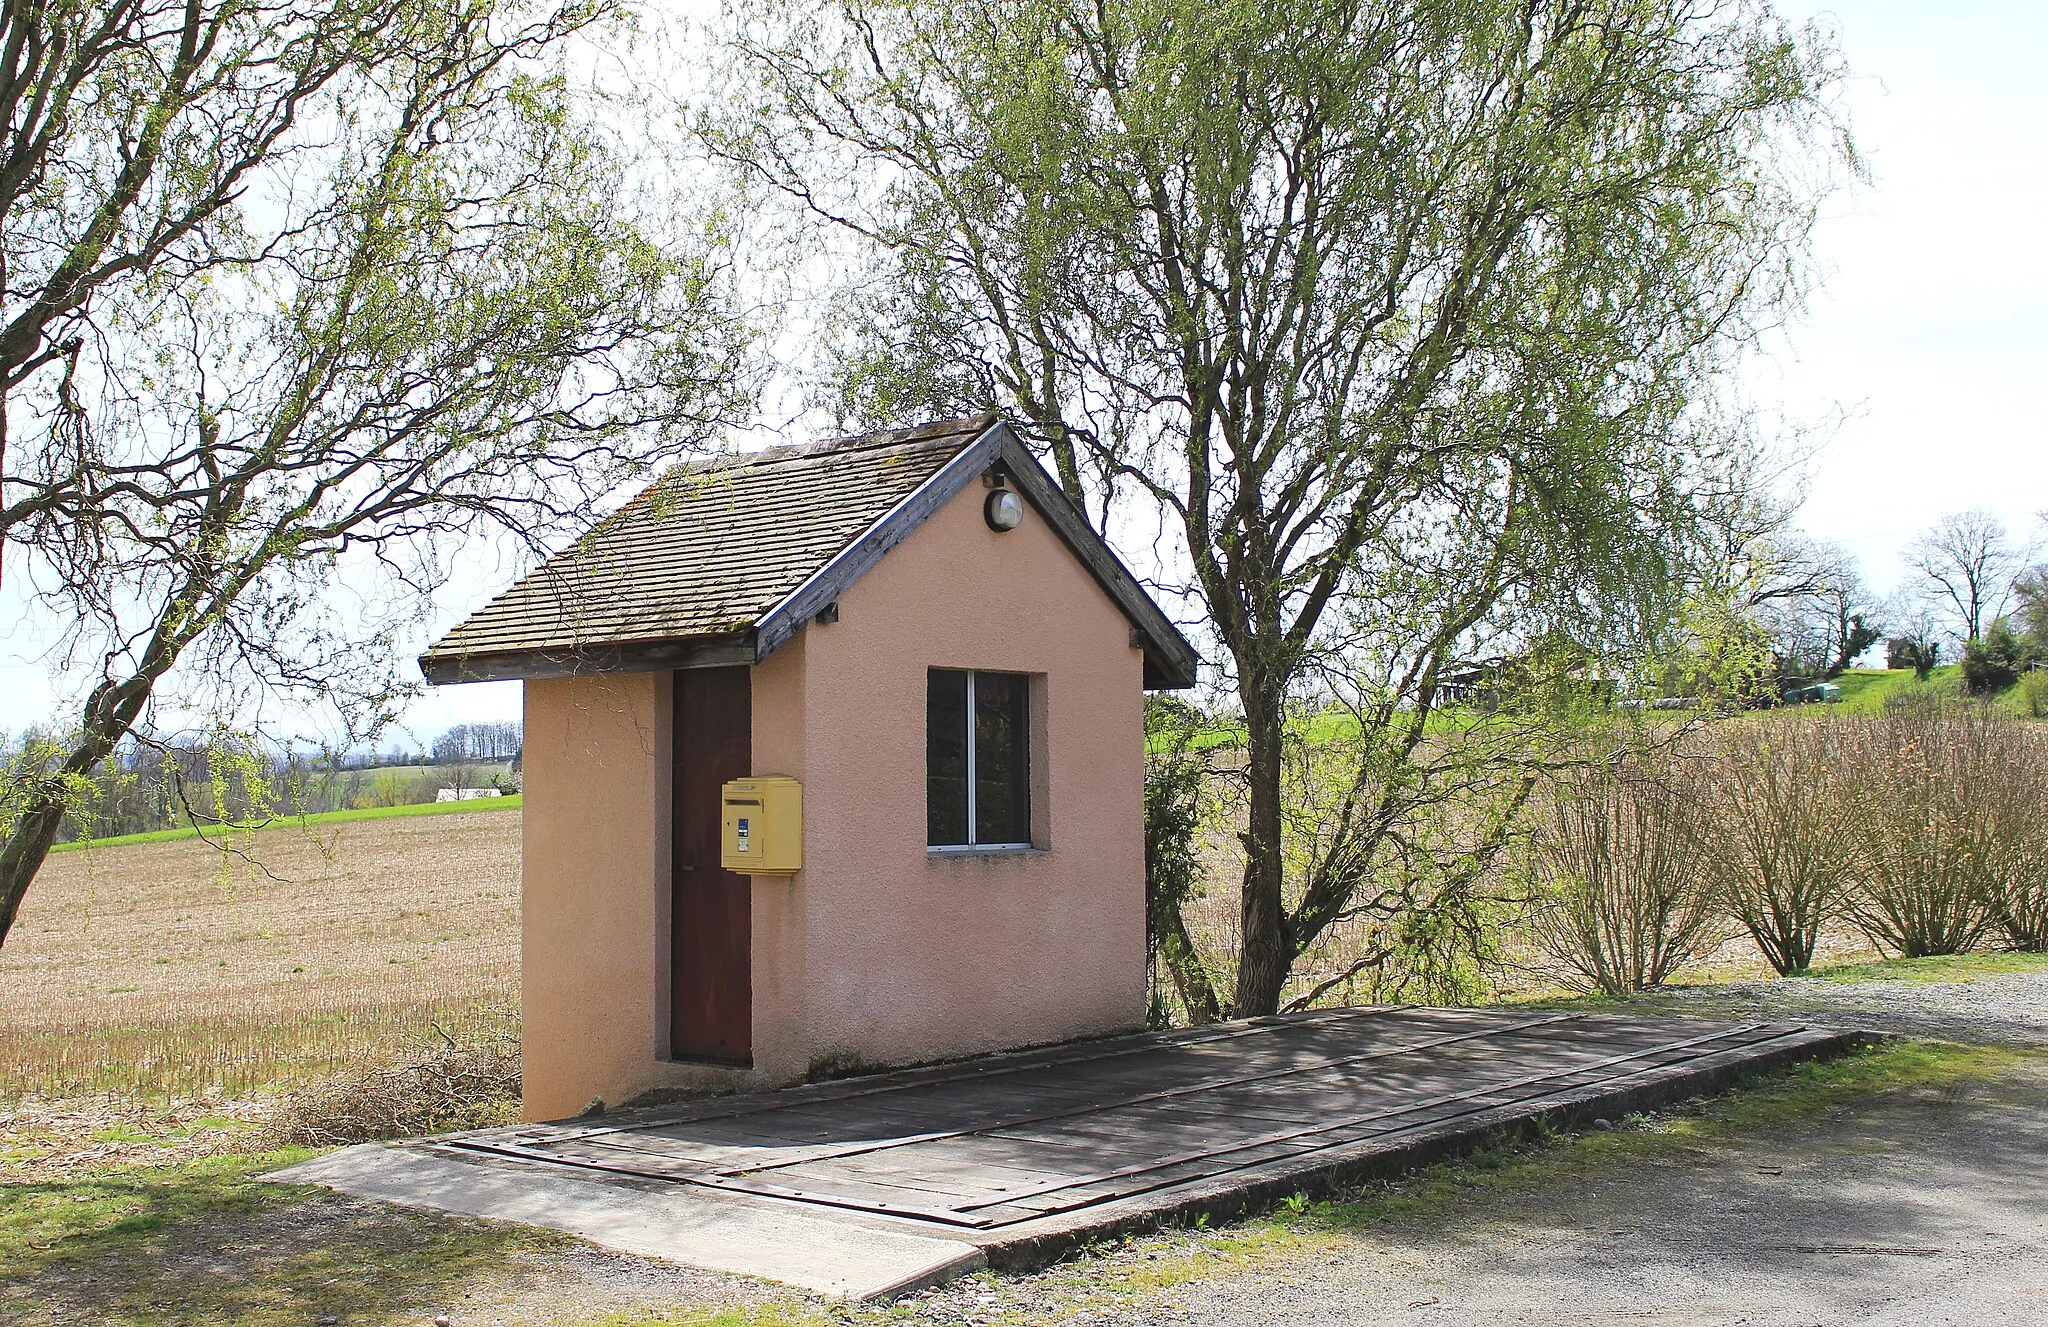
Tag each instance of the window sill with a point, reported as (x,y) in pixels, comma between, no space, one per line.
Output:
(982,850)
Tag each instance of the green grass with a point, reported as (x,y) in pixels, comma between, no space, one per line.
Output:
(767,1315)
(1952,969)
(1865,690)
(209,1243)
(509,803)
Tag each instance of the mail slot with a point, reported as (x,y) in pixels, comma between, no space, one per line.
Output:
(763,831)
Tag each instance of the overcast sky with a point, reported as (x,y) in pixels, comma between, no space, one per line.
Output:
(1929,338)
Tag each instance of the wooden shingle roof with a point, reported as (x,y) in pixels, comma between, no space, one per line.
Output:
(721,561)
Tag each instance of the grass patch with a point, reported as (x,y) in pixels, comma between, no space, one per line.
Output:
(208,1243)
(767,1315)
(1950,969)
(248,1048)
(508,803)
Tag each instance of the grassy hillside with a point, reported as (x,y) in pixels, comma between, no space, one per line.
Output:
(511,803)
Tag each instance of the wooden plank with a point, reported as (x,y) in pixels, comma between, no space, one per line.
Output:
(1291,1135)
(1124,1102)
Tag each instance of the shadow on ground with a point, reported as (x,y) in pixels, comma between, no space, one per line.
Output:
(174,1247)
(1908,1206)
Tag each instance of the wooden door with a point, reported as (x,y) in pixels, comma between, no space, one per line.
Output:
(711,975)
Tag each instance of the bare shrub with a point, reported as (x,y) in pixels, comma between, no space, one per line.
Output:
(2015,795)
(1776,844)
(454,1084)
(1612,856)
(1926,838)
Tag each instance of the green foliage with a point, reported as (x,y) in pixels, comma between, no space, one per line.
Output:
(362,280)
(2034,692)
(32,770)
(1992,662)
(1176,775)
(2031,590)
(1918,653)
(1405,319)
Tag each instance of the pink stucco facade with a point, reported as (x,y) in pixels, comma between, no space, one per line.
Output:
(879,952)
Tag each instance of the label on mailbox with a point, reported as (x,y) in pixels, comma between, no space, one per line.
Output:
(763,825)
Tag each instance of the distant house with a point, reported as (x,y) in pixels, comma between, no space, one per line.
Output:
(464,794)
(833,759)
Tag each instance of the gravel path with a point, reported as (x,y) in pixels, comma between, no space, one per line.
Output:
(2009,1009)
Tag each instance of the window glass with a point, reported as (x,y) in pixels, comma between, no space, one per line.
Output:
(945,758)
(1001,775)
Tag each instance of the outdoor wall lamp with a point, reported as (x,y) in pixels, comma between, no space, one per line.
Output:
(1003,510)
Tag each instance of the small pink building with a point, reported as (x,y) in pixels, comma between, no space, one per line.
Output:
(921,631)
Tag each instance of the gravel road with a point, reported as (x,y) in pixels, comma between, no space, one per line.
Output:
(2009,1009)
(1919,1206)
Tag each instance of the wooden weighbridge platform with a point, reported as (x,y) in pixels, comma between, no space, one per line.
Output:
(1011,1160)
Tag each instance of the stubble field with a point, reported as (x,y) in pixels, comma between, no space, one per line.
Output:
(171,972)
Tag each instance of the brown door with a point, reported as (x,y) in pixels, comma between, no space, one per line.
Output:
(711,979)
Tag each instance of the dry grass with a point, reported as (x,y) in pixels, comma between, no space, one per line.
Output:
(165,971)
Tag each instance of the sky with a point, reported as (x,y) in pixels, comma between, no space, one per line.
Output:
(1916,369)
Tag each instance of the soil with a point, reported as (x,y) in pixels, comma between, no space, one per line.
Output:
(292,917)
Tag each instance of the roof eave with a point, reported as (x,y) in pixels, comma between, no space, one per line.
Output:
(449,667)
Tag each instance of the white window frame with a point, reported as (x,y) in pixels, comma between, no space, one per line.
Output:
(973,782)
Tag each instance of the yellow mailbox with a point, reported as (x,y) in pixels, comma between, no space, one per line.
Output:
(763,826)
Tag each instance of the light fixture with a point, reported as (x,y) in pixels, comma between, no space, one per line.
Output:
(1003,510)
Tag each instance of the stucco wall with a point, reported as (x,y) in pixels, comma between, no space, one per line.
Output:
(594,879)
(877,952)
(914,956)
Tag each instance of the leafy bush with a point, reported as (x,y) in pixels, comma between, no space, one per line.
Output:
(2034,692)
(1612,857)
(1175,774)
(1925,837)
(1922,656)
(1991,663)
(1776,845)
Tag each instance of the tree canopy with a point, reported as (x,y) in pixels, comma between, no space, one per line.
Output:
(1403,318)
(298,297)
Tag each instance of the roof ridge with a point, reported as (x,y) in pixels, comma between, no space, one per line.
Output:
(921,437)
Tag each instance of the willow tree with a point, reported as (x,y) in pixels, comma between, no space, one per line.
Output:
(1406,316)
(298,298)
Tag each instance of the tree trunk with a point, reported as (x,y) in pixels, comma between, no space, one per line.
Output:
(1265,955)
(1190,978)
(23,856)
(109,714)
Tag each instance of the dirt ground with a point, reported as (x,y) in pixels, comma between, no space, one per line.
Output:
(143,928)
